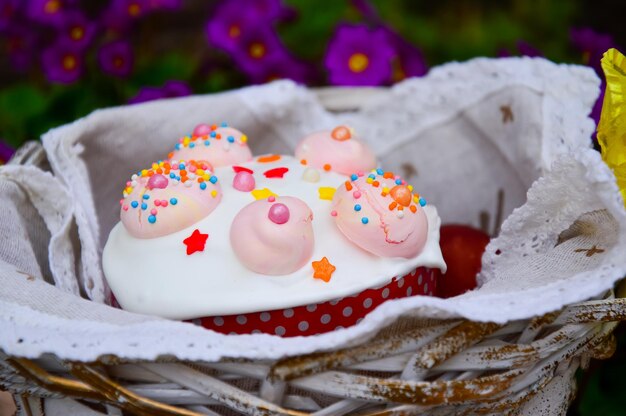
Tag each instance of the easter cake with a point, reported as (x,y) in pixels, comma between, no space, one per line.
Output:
(270,244)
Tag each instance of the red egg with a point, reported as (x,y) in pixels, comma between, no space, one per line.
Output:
(462,247)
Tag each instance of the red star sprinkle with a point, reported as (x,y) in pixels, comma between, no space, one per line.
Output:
(238,169)
(276,172)
(195,242)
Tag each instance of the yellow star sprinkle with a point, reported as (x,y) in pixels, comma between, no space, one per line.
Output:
(243,138)
(214,193)
(326,192)
(262,193)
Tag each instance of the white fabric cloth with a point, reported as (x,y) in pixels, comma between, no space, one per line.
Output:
(472,137)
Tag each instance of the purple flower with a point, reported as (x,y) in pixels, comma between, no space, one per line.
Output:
(116,58)
(410,61)
(62,63)
(164,4)
(77,29)
(523,48)
(48,11)
(121,14)
(226,26)
(8,12)
(526,49)
(358,56)
(21,47)
(5,152)
(592,45)
(257,48)
(170,89)
(281,66)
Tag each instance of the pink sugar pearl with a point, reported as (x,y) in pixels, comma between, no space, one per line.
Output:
(202,130)
(157,202)
(153,211)
(157,181)
(279,213)
(356,194)
(244,181)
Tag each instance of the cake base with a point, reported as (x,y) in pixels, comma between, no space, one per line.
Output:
(327,316)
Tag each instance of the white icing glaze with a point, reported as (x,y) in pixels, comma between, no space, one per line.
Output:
(157,277)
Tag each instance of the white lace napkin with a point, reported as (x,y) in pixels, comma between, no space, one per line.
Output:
(472,137)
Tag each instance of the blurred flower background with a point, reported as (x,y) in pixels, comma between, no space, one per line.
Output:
(62,59)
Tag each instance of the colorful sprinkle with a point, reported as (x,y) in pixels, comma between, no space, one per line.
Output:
(327,167)
(195,242)
(144,206)
(333,213)
(238,169)
(213,179)
(311,175)
(422,202)
(341,133)
(268,159)
(276,173)
(357,207)
(203,185)
(244,181)
(230,139)
(356,194)
(151,219)
(365,220)
(214,193)
(303,162)
(278,214)
(134,204)
(173,201)
(326,193)
(323,269)
(262,193)
(354,177)
(380,171)
(271,199)
(146,196)
(348,186)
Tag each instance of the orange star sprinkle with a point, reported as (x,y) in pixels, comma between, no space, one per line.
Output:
(323,269)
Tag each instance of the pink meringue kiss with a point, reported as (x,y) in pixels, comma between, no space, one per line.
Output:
(244,181)
(381,216)
(273,238)
(220,146)
(158,204)
(337,150)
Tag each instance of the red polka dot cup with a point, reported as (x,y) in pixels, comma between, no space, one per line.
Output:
(327,316)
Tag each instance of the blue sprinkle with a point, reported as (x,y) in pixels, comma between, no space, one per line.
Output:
(173,201)
(365,220)
(144,206)
(146,196)
(224,124)
(151,219)
(202,186)
(398,181)
(206,142)
(134,204)
(354,177)
(172,176)
(231,139)
(213,179)
(380,171)
(371,175)
(422,202)
(181,166)
(192,145)
(357,207)
(178,178)
(213,134)
(177,147)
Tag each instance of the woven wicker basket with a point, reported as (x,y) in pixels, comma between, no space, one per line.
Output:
(415,366)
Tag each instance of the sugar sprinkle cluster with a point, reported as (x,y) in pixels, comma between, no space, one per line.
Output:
(163,174)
